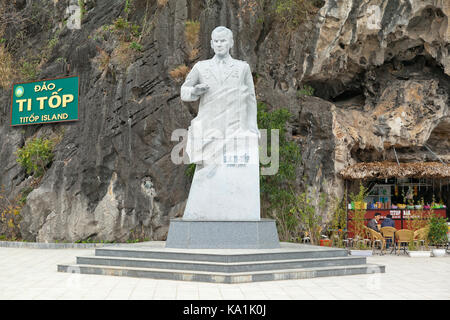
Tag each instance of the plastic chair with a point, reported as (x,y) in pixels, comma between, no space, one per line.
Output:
(403,236)
(388,234)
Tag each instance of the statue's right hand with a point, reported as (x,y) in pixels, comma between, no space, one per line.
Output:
(200,89)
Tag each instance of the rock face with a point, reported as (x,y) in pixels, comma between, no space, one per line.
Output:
(380,72)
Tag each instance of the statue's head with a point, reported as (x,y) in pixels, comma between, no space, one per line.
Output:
(222,40)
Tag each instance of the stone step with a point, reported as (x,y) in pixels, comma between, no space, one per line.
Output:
(223,256)
(217,277)
(223,267)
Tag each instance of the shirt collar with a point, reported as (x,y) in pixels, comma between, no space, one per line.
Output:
(226,61)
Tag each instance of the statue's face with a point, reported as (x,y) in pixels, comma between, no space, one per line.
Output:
(221,43)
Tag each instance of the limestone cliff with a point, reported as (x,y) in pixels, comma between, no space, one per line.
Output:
(380,70)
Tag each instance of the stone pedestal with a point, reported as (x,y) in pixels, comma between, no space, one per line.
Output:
(190,234)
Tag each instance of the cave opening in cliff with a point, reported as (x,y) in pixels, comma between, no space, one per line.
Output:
(351,95)
(336,91)
(405,59)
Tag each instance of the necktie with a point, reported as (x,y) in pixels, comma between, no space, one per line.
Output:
(221,70)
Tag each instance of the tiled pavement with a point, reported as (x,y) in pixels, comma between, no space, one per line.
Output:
(31,274)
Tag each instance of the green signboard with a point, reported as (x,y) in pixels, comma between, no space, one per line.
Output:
(45,101)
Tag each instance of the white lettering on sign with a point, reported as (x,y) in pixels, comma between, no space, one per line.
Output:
(55,101)
(395,213)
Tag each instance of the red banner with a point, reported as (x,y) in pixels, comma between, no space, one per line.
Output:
(400,216)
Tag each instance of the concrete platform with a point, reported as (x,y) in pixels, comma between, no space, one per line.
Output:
(31,274)
(154,260)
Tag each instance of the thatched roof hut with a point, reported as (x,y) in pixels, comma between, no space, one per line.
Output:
(383,170)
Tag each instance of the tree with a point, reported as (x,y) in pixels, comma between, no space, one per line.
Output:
(277,191)
(35,156)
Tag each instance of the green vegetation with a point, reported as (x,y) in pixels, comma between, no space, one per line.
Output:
(128,4)
(125,30)
(358,216)
(296,214)
(292,13)
(90,240)
(82,8)
(277,191)
(191,32)
(412,246)
(7,68)
(9,217)
(148,23)
(17,62)
(290,156)
(35,156)
(420,219)
(338,223)
(137,240)
(437,234)
(136,46)
(61,60)
(308,210)
(129,36)
(305,91)
(52,43)
(29,70)
(24,194)
(190,170)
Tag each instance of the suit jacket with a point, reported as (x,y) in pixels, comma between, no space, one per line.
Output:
(372,224)
(227,109)
(388,222)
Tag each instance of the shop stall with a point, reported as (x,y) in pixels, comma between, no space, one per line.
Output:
(406,191)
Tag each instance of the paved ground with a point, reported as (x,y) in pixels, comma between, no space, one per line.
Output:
(31,274)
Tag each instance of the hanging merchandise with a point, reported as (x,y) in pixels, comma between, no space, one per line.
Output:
(433,186)
(396,190)
(415,191)
(409,194)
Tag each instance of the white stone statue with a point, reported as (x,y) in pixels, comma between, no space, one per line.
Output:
(223,138)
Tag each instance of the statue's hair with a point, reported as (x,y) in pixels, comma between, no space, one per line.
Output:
(221,29)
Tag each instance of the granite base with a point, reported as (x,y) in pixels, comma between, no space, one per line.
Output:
(193,234)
